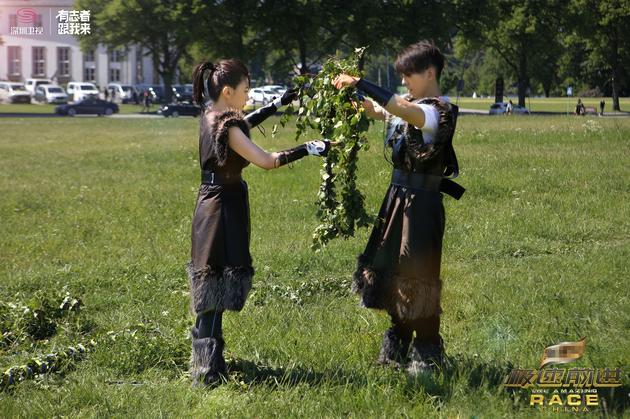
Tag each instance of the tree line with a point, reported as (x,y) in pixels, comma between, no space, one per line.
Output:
(536,46)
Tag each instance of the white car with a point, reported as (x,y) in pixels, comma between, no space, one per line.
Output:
(120,92)
(50,93)
(14,93)
(276,88)
(501,108)
(31,84)
(78,90)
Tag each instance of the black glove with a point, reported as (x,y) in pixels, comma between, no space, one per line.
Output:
(256,117)
(314,148)
(380,95)
(289,96)
(318,148)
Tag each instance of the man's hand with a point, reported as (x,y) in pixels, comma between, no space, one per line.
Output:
(344,80)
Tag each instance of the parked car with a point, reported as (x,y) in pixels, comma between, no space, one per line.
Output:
(89,105)
(279,90)
(14,93)
(50,93)
(179,109)
(501,108)
(183,93)
(31,84)
(78,91)
(263,94)
(155,90)
(122,93)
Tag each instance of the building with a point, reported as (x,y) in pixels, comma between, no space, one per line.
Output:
(40,39)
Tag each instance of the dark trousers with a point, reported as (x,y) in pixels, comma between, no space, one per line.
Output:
(210,324)
(427,329)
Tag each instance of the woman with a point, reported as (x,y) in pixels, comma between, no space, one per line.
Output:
(220,273)
(399,271)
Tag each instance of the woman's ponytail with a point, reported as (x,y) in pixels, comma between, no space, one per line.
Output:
(200,82)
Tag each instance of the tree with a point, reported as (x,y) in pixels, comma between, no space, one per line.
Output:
(603,25)
(163,27)
(518,30)
(297,29)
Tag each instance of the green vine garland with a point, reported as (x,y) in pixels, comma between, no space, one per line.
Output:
(336,117)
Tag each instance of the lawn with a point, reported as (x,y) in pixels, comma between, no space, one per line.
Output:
(536,253)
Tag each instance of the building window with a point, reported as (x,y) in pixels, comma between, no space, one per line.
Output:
(89,74)
(39,61)
(115,56)
(89,56)
(15,61)
(63,61)
(114,74)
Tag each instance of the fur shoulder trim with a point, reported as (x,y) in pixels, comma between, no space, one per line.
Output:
(219,125)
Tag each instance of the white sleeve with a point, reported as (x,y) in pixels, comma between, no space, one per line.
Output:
(431,121)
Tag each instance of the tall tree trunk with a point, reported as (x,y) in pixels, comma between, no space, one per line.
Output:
(303,63)
(616,75)
(523,78)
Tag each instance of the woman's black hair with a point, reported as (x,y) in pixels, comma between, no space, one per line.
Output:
(418,57)
(228,72)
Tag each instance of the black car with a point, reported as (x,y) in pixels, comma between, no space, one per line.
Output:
(88,106)
(179,109)
(182,93)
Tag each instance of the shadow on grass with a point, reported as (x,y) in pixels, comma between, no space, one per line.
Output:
(252,373)
(474,371)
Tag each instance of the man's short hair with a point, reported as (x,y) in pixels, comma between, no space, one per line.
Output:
(418,57)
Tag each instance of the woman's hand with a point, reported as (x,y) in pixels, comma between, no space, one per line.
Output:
(289,96)
(344,80)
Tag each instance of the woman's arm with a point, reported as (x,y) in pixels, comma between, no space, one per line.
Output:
(240,143)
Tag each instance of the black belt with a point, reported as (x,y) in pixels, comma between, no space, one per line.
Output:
(214,178)
(425,182)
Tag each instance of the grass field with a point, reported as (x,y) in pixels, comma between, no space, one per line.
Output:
(536,253)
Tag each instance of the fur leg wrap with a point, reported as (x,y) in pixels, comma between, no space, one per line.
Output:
(394,348)
(425,357)
(207,365)
(219,288)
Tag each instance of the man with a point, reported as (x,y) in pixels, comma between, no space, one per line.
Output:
(399,271)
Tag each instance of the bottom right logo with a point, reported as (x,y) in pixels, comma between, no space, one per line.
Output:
(564,389)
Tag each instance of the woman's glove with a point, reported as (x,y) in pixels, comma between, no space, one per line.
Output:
(314,148)
(259,115)
(318,148)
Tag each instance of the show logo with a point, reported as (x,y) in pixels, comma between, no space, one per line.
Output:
(570,390)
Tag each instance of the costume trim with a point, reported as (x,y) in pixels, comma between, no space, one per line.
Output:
(406,297)
(224,288)
(219,127)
